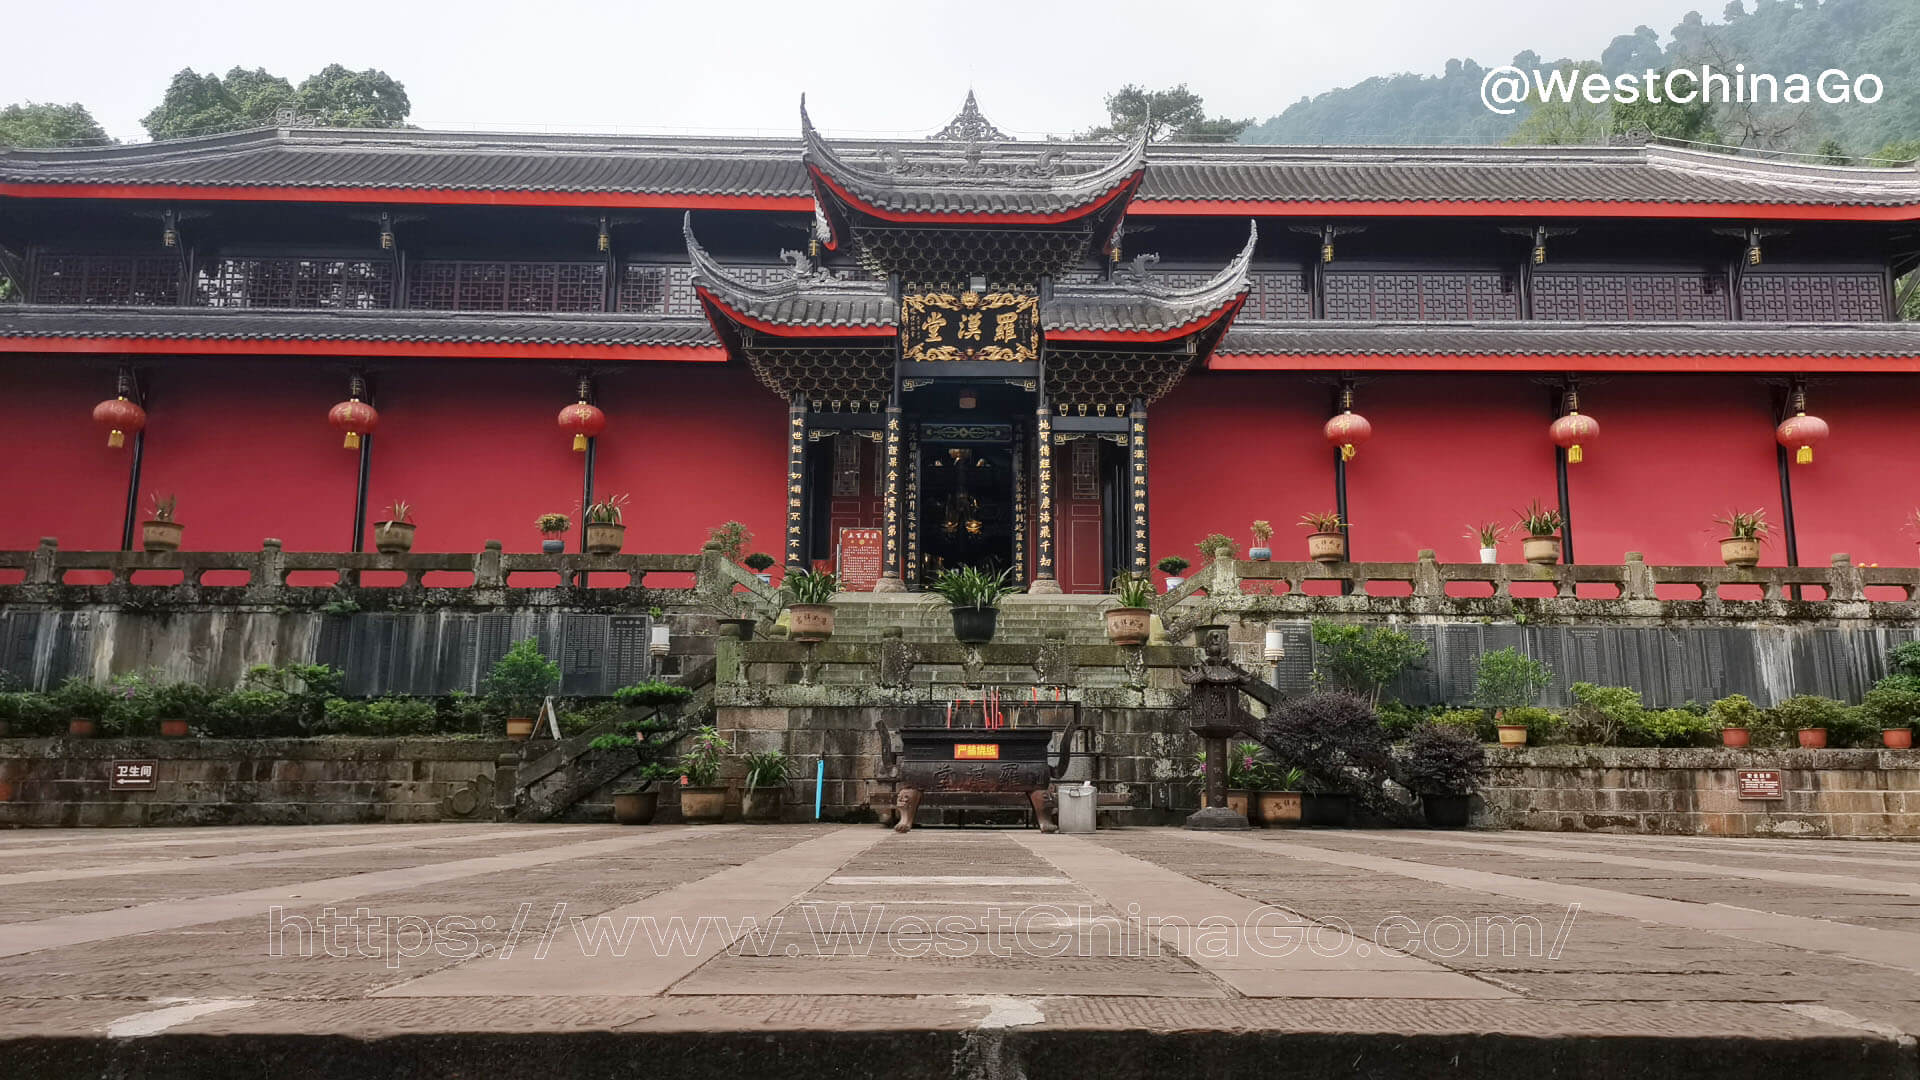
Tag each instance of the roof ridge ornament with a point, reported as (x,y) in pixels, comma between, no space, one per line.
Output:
(968,126)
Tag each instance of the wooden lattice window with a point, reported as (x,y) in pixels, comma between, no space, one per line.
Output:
(464,285)
(1812,297)
(1421,296)
(125,280)
(295,283)
(1630,297)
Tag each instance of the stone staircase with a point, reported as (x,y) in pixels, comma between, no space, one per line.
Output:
(1024,620)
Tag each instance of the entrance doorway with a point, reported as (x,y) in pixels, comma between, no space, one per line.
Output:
(966,505)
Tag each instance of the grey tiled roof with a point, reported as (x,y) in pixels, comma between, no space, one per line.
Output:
(1889,340)
(370,326)
(403,160)
(804,300)
(1131,307)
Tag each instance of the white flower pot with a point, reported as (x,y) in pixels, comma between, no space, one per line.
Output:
(657,639)
(1175,582)
(1489,555)
(1276,646)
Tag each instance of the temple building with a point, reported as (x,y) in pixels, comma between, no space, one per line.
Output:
(1068,358)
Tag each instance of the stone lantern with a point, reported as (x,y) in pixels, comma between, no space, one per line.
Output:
(1215,714)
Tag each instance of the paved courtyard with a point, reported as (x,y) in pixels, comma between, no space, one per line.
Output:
(847,950)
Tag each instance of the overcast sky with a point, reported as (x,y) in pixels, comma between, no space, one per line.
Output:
(739,67)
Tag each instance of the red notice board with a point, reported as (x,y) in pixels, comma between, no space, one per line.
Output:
(860,553)
(1759,784)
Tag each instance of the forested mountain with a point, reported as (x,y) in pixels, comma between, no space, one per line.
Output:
(1776,36)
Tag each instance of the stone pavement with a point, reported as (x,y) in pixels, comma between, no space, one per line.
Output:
(803,951)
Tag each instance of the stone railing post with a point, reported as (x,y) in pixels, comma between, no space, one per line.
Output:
(1427,582)
(268,572)
(1639,583)
(487,572)
(726,650)
(1225,577)
(40,564)
(1843,580)
(506,781)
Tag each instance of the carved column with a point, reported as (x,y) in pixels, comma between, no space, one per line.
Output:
(1043,579)
(796,482)
(890,517)
(1137,488)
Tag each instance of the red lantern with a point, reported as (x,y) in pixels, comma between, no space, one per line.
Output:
(1571,431)
(356,418)
(584,421)
(120,417)
(1799,433)
(1347,431)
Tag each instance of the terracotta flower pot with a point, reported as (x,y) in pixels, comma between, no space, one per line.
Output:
(1279,809)
(810,622)
(1897,738)
(173,728)
(1813,738)
(161,535)
(1513,734)
(1541,550)
(393,537)
(1241,801)
(79,729)
(1740,551)
(762,803)
(1129,625)
(1734,736)
(1327,547)
(635,807)
(605,539)
(519,728)
(703,805)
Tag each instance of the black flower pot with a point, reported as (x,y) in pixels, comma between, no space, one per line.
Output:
(974,625)
(1326,808)
(1446,811)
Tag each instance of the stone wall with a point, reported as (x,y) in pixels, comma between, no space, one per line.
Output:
(249,781)
(1828,793)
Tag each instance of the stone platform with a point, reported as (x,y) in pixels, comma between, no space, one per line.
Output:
(841,951)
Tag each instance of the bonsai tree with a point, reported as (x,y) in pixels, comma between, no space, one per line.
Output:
(1509,679)
(759,562)
(521,678)
(732,538)
(1171,565)
(1443,761)
(651,694)
(648,739)
(1217,546)
(552,525)
(1362,660)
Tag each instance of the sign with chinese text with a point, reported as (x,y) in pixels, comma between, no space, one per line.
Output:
(944,327)
(861,555)
(133,775)
(976,751)
(1759,784)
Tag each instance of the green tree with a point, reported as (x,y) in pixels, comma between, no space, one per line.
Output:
(41,124)
(1575,121)
(1362,660)
(1178,113)
(196,104)
(1664,118)
(337,97)
(1508,679)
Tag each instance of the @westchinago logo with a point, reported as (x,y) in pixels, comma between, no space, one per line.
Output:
(1505,88)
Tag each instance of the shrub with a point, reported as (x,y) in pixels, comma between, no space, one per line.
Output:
(1669,727)
(578,719)
(521,678)
(1543,725)
(650,694)
(1362,660)
(1171,564)
(1444,761)
(1735,711)
(30,715)
(1508,678)
(1601,713)
(1808,711)
(1217,546)
(385,716)
(732,538)
(1327,734)
(1473,721)
(1398,719)
(1904,659)
(1855,727)
(1894,702)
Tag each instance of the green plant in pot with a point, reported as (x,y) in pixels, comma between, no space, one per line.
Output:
(1444,766)
(1216,546)
(644,736)
(1261,551)
(84,704)
(808,595)
(974,596)
(1736,716)
(731,538)
(703,798)
(394,535)
(518,682)
(1746,531)
(1488,535)
(1172,566)
(1326,536)
(768,773)
(1507,681)
(760,563)
(552,528)
(1541,527)
(160,532)
(605,522)
(1130,620)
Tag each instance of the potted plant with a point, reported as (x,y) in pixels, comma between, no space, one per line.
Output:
(1488,534)
(809,598)
(1326,540)
(1130,622)
(974,595)
(175,704)
(160,532)
(760,562)
(519,681)
(1542,528)
(1746,531)
(1892,705)
(659,633)
(1809,716)
(1736,716)
(1262,536)
(636,803)
(84,704)
(768,772)
(394,536)
(1278,801)
(703,798)
(1508,682)
(731,537)
(1217,546)
(649,736)
(1172,565)
(552,527)
(1444,766)
(606,533)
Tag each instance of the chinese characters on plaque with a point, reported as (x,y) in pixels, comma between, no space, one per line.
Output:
(995,326)
(133,775)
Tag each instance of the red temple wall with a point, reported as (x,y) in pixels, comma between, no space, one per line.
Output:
(57,476)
